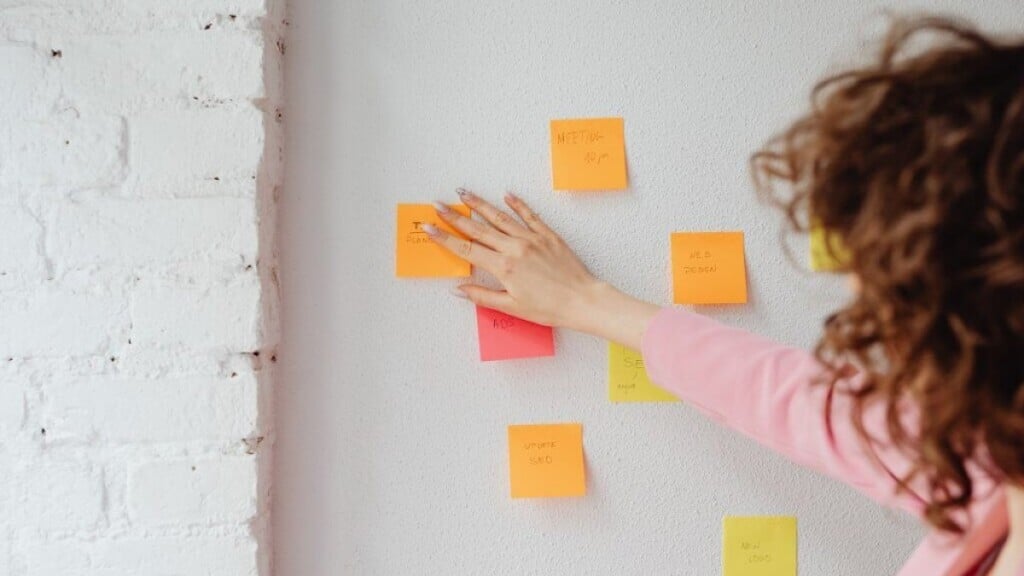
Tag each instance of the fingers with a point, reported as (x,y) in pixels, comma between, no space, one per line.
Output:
(477,254)
(530,217)
(498,218)
(494,299)
(478,231)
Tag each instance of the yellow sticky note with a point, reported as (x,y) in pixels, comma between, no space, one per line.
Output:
(827,251)
(709,268)
(546,460)
(416,255)
(627,378)
(588,154)
(759,546)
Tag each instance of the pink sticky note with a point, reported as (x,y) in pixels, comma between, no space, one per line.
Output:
(504,337)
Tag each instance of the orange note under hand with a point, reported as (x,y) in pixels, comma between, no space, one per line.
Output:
(546,460)
(416,255)
(709,268)
(588,154)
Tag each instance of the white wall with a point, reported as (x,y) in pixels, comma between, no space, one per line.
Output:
(392,450)
(138,158)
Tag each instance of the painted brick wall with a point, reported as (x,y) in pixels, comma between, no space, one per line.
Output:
(139,165)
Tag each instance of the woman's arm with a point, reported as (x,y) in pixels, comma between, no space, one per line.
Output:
(771,393)
(762,389)
(544,280)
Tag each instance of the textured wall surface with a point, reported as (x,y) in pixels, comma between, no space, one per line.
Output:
(392,436)
(139,154)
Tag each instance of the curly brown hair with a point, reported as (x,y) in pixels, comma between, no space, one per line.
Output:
(916,164)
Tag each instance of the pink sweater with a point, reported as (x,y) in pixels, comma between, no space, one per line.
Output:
(765,390)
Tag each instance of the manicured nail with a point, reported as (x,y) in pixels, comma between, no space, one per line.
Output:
(459,294)
(463,193)
(511,197)
(430,229)
(441,207)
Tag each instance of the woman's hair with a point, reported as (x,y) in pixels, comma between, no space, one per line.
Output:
(915,164)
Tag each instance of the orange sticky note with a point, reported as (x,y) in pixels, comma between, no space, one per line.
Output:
(546,460)
(588,154)
(504,337)
(709,268)
(416,256)
(759,546)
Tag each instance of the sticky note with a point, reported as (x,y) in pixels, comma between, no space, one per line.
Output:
(588,154)
(546,460)
(822,259)
(504,337)
(627,378)
(709,268)
(759,546)
(416,256)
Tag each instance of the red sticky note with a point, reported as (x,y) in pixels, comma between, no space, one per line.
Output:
(504,337)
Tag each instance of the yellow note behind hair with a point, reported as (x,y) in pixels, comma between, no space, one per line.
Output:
(822,259)
(759,546)
(627,378)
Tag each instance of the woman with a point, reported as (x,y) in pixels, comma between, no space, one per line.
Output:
(915,393)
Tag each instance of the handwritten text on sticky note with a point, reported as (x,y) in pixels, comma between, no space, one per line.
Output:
(627,378)
(546,460)
(416,255)
(709,268)
(827,250)
(588,154)
(759,546)
(504,337)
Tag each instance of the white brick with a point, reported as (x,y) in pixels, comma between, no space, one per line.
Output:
(165,410)
(116,232)
(27,86)
(130,145)
(8,482)
(247,188)
(53,20)
(206,557)
(212,556)
(198,317)
(185,491)
(181,146)
(12,405)
(21,258)
(131,72)
(54,558)
(55,495)
(6,561)
(60,324)
(192,6)
(99,9)
(79,152)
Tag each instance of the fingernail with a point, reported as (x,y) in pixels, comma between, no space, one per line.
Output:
(510,196)
(441,207)
(463,193)
(430,229)
(459,294)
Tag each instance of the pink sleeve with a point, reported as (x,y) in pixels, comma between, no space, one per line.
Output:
(766,391)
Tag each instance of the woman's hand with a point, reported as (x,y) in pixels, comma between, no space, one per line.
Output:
(545,282)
